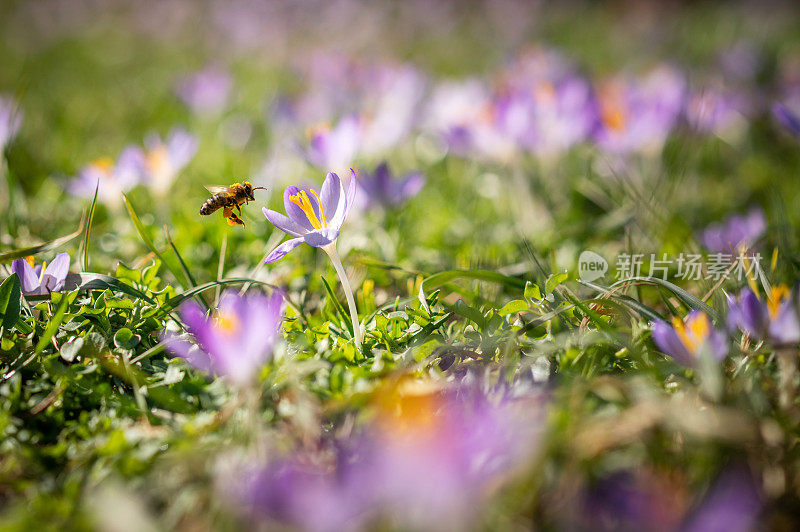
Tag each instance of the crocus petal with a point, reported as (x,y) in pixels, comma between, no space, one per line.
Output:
(27,277)
(189,352)
(288,226)
(338,215)
(411,186)
(321,237)
(293,211)
(56,272)
(784,328)
(280,251)
(330,194)
(667,341)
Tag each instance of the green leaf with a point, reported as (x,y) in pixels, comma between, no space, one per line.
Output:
(553,281)
(53,325)
(89,229)
(690,299)
(517,305)
(10,294)
(126,339)
(464,310)
(98,281)
(8,256)
(173,302)
(532,291)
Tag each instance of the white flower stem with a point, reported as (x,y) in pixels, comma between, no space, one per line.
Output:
(330,249)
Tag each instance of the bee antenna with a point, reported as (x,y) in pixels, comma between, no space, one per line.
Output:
(259,188)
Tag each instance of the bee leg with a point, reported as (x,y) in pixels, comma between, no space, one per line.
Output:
(231,217)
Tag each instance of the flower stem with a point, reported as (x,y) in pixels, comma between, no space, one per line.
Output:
(330,249)
(787,366)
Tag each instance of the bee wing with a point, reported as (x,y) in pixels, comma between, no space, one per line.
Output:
(216,189)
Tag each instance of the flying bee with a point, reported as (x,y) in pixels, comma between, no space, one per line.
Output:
(229,198)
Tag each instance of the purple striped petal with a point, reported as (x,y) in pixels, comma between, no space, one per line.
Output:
(294,212)
(285,224)
(27,277)
(330,194)
(280,251)
(56,272)
(321,237)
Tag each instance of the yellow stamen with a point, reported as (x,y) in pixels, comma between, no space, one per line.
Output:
(226,323)
(157,158)
(699,328)
(44,267)
(613,116)
(29,260)
(104,164)
(302,200)
(776,297)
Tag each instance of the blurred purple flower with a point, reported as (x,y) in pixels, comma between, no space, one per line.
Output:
(43,278)
(631,500)
(335,148)
(206,91)
(426,461)
(236,340)
(787,118)
(313,219)
(715,111)
(113,178)
(638,115)
(737,234)
(684,342)
(733,504)
(774,319)
(382,189)
(162,160)
(10,121)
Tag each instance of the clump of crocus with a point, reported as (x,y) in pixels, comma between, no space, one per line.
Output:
(316,219)
(774,319)
(10,121)
(737,234)
(685,341)
(41,279)
(382,189)
(110,178)
(206,91)
(236,340)
(162,160)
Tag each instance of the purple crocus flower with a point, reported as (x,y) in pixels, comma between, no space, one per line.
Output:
(737,234)
(733,504)
(684,342)
(787,118)
(41,279)
(335,147)
(774,319)
(10,121)
(162,160)
(316,219)
(206,91)
(712,110)
(424,462)
(638,115)
(382,189)
(236,340)
(312,218)
(114,178)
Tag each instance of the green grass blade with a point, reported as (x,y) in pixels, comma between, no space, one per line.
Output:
(8,256)
(89,220)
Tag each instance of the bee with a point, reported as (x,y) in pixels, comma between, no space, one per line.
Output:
(229,198)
